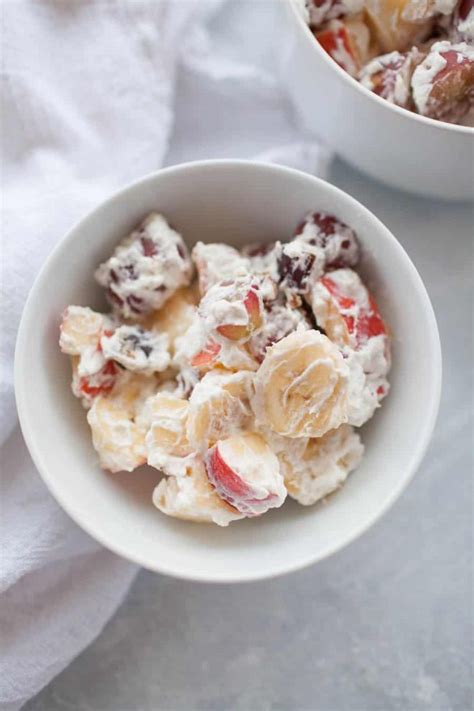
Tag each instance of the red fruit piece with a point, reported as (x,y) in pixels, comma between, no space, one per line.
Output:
(336,239)
(389,76)
(298,266)
(465,8)
(136,349)
(252,306)
(362,320)
(464,21)
(336,41)
(207,356)
(149,247)
(245,472)
(443,84)
(348,42)
(237,332)
(345,310)
(99,383)
(370,323)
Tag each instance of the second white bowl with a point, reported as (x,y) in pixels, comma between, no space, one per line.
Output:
(391,144)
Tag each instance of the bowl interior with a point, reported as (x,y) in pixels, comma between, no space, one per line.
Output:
(233,202)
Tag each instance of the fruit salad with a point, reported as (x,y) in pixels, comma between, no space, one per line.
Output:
(241,376)
(417,54)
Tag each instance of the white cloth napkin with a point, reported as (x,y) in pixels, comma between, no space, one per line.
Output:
(88,104)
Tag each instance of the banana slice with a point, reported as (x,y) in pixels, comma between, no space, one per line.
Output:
(176,317)
(301,386)
(323,465)
(219,406)
(167,444)
(193,498)
(81,328)
(293,447)
(420,10)
(119,423)
(393,25)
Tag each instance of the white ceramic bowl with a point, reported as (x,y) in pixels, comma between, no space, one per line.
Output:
(391,144)
(236,202)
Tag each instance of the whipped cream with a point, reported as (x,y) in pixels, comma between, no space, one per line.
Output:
(426,73)
(218,262)
(323,465)
(137,350)
(390,75)
(227,353)
(300,264)
(368,385)
(219,407)
(146,268)
(193,498)
(224,304)
(262,259)
(279,320)
(336,241)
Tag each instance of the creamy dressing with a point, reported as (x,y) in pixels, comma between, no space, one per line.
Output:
(146,268)
(246,400)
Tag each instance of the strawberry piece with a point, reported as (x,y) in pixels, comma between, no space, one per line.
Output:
(101,382)
(336,41)
(361,322)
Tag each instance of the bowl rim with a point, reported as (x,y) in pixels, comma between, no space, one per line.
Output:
(28,425)
(403,113)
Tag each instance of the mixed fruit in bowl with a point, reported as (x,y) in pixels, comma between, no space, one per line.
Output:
(240,375)
(417,54)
